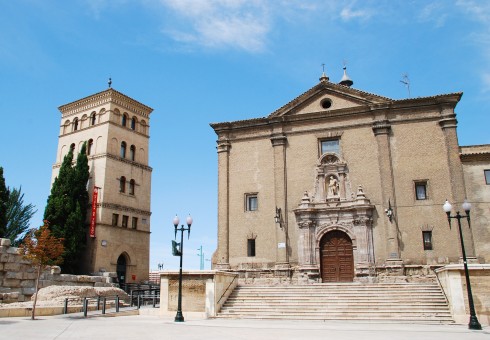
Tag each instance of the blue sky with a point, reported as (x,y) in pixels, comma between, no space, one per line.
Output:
(196,62)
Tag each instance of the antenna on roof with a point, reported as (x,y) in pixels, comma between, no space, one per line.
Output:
(406,81)
(323,68)
(109,82)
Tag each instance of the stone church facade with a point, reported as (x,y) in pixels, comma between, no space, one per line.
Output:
(341,185)
(116,130)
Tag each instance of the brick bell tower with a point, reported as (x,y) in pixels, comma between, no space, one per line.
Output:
(116,129)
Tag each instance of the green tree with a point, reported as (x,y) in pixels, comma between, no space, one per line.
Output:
(18,216)
(67,206)
(4,196)
(42,249)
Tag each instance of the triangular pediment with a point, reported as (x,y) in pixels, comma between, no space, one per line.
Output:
(327,96)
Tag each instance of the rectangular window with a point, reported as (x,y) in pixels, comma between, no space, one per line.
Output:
(487,176)
(251,247)
(331,145)
(421,190)
(125,221)
(134,222)
(115,219)
(251,202)
(427,239)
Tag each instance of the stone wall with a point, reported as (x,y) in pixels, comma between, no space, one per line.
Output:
(203,292)
(453,282)
(18,276)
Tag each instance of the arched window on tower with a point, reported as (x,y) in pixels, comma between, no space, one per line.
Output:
(75,124)
(124,120)
(122,184)
(123,149)
(131,187)
(72,147)
(132,152)
(133,123)
(90,144)
(92,118)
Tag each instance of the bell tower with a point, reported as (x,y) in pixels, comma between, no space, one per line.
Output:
(116,129)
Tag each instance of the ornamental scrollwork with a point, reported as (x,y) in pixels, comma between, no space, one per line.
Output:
(363,220)
(306,223)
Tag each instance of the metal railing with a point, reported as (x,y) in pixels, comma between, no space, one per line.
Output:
(99,300)
(140,297)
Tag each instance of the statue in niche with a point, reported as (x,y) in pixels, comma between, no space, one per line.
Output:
(333,187)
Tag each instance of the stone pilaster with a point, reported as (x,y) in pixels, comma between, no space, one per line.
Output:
(223,251)
(457,190)
(382,130)
(279,142)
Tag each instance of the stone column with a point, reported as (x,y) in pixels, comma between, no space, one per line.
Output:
(456,188)
(382,131)
(223,251)
(280,197)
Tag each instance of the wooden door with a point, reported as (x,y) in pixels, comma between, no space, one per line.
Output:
(337,259)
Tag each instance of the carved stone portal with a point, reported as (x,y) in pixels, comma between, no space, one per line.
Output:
(333,206)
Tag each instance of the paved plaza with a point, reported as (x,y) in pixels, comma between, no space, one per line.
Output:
(153,327)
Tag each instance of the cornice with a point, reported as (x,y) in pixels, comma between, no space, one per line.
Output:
(117,158)
(121,207)
(475,157)
(104,97)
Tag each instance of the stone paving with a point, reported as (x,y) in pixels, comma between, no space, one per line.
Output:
(154,327)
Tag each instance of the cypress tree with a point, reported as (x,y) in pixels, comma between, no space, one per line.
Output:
(4,197)
(67,206)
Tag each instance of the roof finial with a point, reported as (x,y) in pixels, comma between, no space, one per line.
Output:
(346,80)
(323,77)
(109,82)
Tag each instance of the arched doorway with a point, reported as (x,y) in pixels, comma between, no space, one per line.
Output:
(121,270)
(336,257)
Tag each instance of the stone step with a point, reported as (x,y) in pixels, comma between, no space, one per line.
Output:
(401,302)
(383,318)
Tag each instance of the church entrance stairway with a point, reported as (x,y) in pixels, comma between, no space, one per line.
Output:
(400,302)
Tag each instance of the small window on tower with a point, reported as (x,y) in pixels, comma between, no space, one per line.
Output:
(251,247)
(89,146)
(115,219)
(427,239)
(134,223)
(251,202)
(421,190)
(487,176)
(123,149)
(132,152)
(122,184)
(131,187)
(125,221)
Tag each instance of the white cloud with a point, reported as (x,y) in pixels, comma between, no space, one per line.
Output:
(434,12)
(348,14)
(98,6)
(479,11)
(221,23)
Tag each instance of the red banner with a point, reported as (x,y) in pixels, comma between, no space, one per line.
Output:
(93,216)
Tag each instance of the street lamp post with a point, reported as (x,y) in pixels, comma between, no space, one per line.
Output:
(179,317)
(473,324)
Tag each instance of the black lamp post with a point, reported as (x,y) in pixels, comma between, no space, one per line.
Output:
(473,324)
(179,317)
